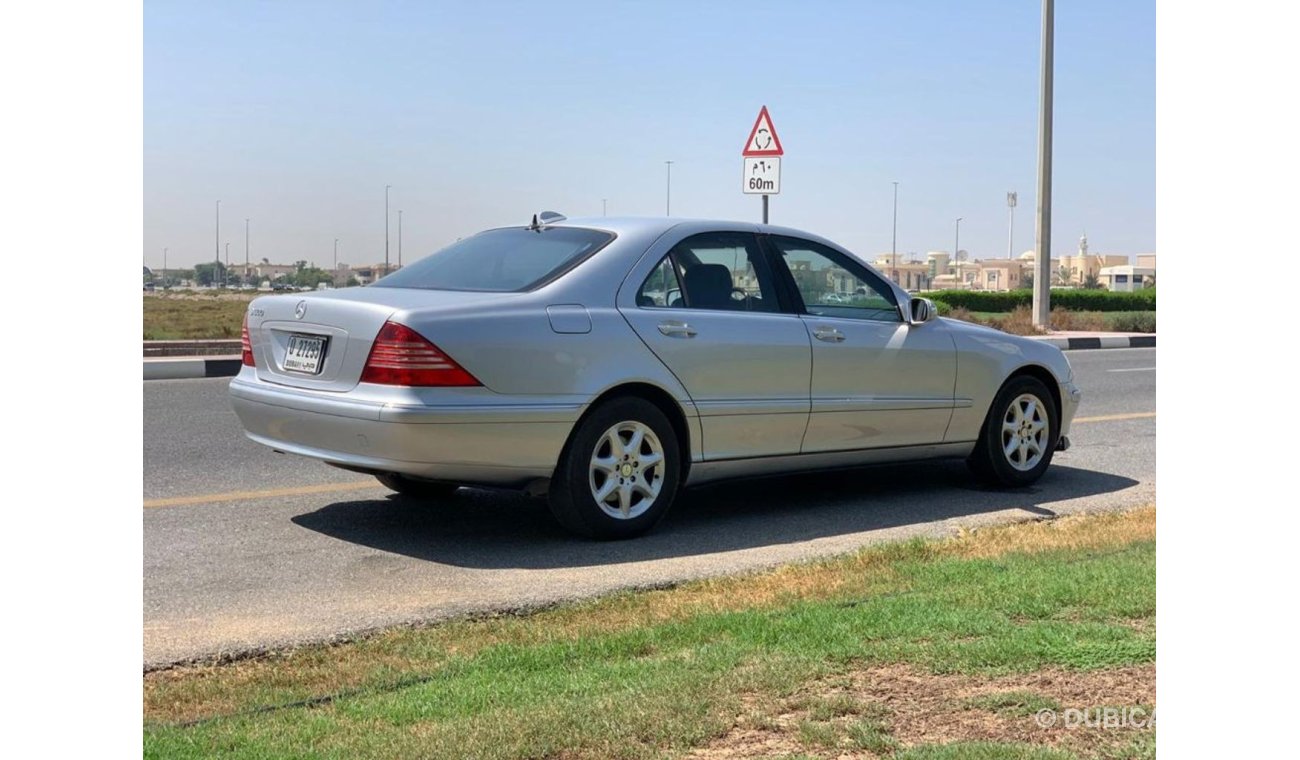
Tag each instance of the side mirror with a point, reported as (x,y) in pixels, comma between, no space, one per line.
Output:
(922,310)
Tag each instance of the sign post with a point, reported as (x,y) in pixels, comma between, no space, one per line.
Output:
(762,160)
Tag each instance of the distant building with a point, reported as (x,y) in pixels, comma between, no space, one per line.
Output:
(1111,271)
(909,275)
(1126,278)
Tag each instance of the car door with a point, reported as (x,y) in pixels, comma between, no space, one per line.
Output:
(877,381)
(709,310)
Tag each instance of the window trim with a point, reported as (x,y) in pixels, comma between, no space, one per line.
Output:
(853,266)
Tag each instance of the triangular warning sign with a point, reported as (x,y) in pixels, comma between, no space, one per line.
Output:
(762,138)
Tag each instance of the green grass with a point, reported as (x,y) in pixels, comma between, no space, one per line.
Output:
(654,674)
(1015,703)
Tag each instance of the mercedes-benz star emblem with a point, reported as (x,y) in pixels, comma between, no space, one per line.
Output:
(300,310)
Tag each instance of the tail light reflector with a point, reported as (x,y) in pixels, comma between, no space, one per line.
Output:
(401,356)
(246,345)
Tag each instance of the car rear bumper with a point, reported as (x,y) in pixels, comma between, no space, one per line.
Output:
(507,442)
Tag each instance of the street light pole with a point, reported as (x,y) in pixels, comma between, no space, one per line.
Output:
(218,262)
(957,250)
(334,273)
(386,188)
(225,274)
(1043,229)
(1011,222)
(893,247)
(668,197)
(164,269)
(604,207)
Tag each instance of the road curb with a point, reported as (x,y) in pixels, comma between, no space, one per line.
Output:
(1101,341)
(190,367)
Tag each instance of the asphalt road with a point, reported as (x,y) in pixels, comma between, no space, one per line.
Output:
(247,550)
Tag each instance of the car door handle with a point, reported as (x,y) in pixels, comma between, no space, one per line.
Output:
(828,334)
(677,330)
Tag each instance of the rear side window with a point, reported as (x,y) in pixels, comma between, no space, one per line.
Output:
(509,259)
(662,287)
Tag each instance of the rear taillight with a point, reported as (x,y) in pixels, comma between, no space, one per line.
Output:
(246,345)
(401,356)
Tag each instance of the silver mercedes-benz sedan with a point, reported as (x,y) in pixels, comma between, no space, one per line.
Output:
(609,362)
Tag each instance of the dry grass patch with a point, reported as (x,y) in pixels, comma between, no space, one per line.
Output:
(1068,533)
(880,710)
(194,316)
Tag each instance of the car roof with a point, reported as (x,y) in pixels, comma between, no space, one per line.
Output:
(658,225)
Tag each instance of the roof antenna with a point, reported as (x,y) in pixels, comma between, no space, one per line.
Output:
(535,225)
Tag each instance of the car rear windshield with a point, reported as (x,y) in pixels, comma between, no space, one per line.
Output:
(508,259)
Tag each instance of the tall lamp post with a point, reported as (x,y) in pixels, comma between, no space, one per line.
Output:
(957,250)
(1043,229)
(218,262)
(668,195)
(604,206)
(334,273)
(164,269)
(225,273)
(1011,223)
(386,188)
(893,247)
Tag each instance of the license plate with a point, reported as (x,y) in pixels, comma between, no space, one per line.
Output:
(304,354)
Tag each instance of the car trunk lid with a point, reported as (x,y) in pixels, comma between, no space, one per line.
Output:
(332,332)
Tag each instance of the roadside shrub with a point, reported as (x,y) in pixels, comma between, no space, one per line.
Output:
(1088,321)
(1019,322)
(1143,322)
(943,308)
(1069,299)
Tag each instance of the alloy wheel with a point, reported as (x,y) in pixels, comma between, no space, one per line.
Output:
(627,470)
(1025,429)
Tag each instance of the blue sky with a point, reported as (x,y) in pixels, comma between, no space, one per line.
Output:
(297,114)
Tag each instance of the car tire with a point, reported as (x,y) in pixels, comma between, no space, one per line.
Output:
(1019,435)
(416,488)
(619,473)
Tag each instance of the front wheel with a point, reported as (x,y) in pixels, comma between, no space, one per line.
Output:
(1019,435)
(619,473)
(414,487)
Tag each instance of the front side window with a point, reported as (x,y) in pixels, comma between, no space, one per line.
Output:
(832,285)
(502,260)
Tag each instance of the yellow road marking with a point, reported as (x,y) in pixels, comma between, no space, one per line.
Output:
(1112,417)
(178,501)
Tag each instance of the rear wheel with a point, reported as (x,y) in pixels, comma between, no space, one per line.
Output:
(619,474)
(1019,435)
(416,488)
